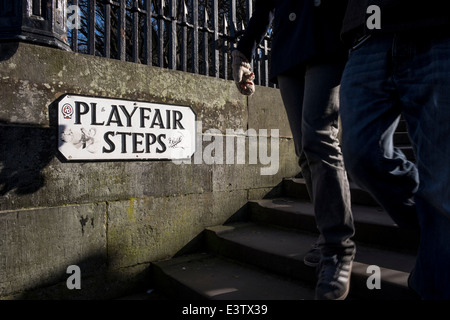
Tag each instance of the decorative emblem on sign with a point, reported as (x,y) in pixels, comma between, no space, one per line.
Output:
(100,129)
(67,111)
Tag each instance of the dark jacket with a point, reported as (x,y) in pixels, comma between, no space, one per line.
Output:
(396,16)
(302,32)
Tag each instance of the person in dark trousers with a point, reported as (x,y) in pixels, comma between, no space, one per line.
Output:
(400,65)
(307,61)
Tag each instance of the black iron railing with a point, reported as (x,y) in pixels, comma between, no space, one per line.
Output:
(189,35)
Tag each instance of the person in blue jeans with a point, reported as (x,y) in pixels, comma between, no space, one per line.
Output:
(402,68)
(307,61)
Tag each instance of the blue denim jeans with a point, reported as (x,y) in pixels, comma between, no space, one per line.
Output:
(409,74)
(311,100)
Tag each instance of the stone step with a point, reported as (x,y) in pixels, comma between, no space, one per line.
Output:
(281,251)
(403,142)
(208,276)
(401,138)
(402,126)
(296,188)
(260,257)
(373,225)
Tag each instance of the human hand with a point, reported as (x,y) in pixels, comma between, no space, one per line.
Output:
(242,74)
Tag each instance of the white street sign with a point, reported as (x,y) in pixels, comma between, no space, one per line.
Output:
(112,129)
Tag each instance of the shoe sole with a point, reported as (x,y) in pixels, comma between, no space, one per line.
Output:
(310,264)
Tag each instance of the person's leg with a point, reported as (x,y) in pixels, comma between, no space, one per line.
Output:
(320,128)
(330,185)
(370,110)
(292,89)
(292,94)
(315,121)
(422,74)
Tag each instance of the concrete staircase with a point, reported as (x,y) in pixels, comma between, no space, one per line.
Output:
(258,255)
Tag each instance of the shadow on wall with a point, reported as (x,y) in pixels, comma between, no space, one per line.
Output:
(100,284)
(7,51)
(25,150)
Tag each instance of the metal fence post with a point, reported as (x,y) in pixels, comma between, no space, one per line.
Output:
(36,21)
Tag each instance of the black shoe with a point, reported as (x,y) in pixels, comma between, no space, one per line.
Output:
(333,281)
(312,257)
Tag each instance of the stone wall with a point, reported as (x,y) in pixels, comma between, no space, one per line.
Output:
(112,218)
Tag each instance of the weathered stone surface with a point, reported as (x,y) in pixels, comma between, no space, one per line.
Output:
(249,176)
(35,77)
(37,245)
(151,229)
(101,286)
(266,111)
